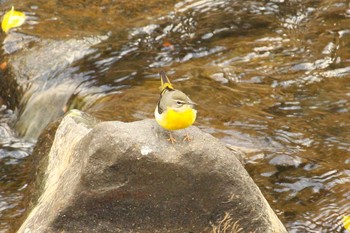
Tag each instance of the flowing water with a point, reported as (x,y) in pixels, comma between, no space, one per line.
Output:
(270,77)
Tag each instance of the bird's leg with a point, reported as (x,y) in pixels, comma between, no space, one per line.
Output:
(187,137)
(171,139)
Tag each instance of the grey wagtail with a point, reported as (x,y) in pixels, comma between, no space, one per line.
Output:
(175,109)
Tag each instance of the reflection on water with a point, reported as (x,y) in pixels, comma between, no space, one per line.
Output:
(14,170)
(271,77)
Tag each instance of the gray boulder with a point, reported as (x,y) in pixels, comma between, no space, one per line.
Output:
(126,177)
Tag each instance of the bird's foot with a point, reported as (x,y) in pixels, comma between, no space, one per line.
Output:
(171,139)
(187,137)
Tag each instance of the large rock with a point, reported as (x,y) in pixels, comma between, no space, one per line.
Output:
(126,177)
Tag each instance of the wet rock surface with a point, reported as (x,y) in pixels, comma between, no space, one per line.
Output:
(40,79)
(126,177)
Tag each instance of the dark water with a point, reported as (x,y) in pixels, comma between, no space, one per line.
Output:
(270,77)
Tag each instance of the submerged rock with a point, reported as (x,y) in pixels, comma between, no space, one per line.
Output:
(286,161)
(126,177)
(40,78)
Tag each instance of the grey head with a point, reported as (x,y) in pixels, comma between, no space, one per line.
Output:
(174,99)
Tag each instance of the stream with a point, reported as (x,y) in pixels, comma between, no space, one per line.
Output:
(270,77)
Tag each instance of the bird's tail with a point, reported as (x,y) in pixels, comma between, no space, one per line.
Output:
(165,83)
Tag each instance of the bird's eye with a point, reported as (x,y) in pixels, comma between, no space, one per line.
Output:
(179,102)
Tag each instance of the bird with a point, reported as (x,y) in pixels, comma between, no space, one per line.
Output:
(175,110)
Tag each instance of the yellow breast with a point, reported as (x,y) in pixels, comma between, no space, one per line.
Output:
(173,120)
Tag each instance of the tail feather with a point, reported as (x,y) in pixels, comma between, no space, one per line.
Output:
(165,83)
